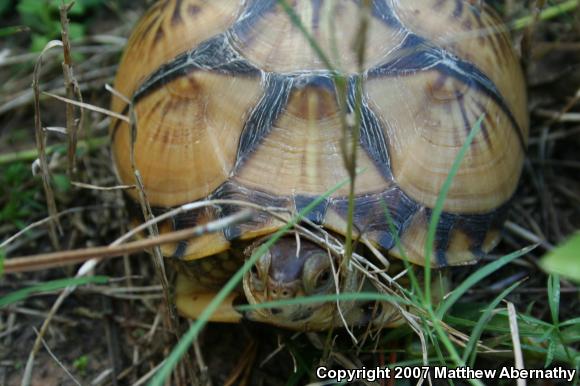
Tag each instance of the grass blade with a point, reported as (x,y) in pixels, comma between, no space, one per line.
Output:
(571,322)
(554,297)
(476,277)
(415,285)
(295,19)
(12,30)
(346,296)
(50,286)
(546,14)
(470,351)
(438,209)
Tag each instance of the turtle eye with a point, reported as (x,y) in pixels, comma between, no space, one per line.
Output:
(259,272)
(323,278)
(317,276)
(256,278)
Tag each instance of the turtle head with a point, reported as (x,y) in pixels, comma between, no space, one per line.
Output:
(289,270)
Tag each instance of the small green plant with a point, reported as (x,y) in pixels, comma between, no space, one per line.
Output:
(18,198)
(61,182)
(43,18)
(139,333)
(81,364)
(564,259)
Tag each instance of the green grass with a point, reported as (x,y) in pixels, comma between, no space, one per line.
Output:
(18,195)
(49,286)
(477,277)
(547,13)
(470,351)
(542,342)
(316,299)
(438,209)
(12,30)
(19,201)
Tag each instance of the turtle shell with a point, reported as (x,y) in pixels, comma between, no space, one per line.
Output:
(232,102)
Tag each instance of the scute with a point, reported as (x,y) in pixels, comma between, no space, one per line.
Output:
(269,39)
(169,28)
(427,118)
(300,153)
(475,34)
(188,133)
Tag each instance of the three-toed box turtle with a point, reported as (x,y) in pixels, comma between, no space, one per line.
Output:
(233,102)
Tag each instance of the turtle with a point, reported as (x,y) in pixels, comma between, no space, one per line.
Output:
(233,101)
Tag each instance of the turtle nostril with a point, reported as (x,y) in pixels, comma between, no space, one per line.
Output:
(280,291)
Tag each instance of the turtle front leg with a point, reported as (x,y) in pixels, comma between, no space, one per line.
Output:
(191,299)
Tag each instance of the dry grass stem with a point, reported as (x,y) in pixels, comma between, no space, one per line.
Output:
(148,375)
(54,129)
(59,363)
(147,212)
(519,358)
(54,225)
(45,220)
(117,94)
(337,282)
(102,188)
(89,107)
(528,235)
(72,90)
(41,314)
(59,259)
(27,377)
(204,378)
